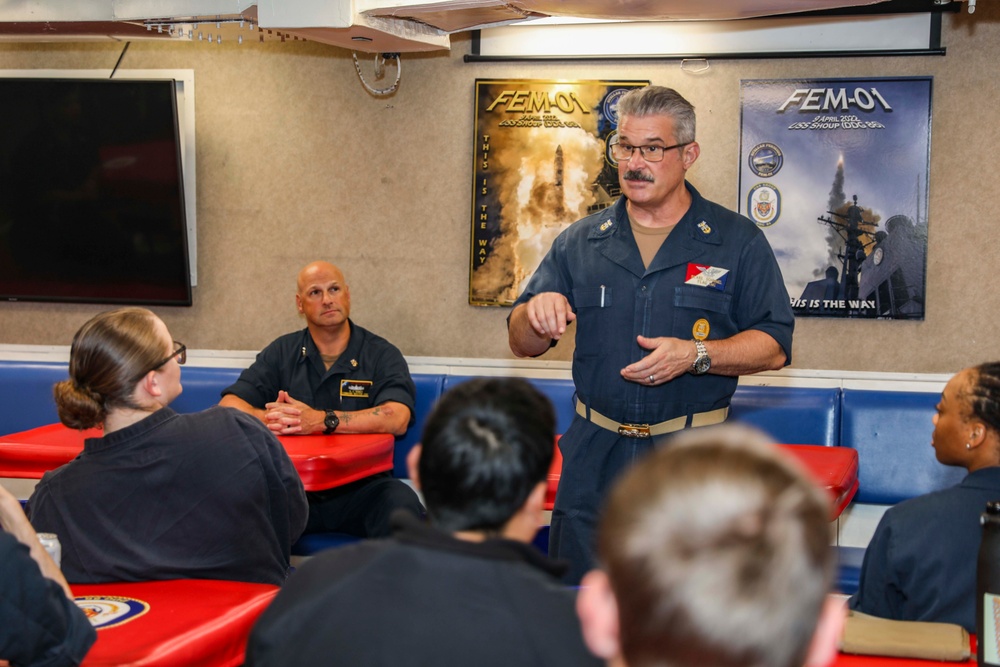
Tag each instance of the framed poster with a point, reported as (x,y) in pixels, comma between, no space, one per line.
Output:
(836,173)
(541,162)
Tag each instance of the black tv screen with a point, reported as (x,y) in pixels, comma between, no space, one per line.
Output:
(91,192)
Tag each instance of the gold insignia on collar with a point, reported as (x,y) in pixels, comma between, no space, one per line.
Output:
(354,363)
(703,226)
(605,225)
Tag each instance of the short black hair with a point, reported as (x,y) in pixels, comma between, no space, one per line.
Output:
(486,444)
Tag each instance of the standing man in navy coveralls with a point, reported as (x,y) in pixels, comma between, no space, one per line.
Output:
(674,297)
(333,377)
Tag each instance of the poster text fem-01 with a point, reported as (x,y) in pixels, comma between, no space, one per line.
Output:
(836,173)
(542,162)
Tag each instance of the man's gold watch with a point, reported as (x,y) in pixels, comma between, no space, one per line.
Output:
(702,362)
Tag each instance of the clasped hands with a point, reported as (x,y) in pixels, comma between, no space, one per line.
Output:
(288,416)
(549,313)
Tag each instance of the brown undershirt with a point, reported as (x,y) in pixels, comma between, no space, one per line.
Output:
(329,360)
(649,239)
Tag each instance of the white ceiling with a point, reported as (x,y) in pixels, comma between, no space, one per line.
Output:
(373,26)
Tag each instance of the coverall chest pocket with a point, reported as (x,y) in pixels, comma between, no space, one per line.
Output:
(693,303)
(595,313)
(592,297)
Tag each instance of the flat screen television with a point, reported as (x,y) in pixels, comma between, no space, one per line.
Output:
(91,192)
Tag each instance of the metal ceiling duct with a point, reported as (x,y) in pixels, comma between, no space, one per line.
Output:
(333,22)
(373,26)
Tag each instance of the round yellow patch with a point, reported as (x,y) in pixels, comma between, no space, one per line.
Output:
(700,329)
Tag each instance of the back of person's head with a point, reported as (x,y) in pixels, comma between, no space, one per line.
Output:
(108,357)
(984,394)
(716,549)
(486,445)
(660,101)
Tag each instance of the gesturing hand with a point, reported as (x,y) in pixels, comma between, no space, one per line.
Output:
(669,357)
(549,313)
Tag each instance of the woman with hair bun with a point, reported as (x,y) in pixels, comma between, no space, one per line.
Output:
(208,495)
(921,562)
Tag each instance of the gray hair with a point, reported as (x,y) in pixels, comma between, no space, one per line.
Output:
(660,101)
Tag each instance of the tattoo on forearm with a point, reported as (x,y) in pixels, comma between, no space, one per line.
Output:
(377,411)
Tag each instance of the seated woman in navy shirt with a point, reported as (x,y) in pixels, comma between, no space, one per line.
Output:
(162,495)
(921,562)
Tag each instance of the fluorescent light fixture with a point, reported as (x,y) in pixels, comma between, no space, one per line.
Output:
(582,38)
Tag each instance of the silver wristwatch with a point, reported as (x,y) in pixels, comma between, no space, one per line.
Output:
(702,362)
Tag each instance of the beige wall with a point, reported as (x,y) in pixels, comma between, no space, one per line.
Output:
(296,162)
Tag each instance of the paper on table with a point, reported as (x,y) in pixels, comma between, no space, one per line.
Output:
(870,635)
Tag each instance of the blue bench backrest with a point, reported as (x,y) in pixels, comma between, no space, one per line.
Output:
(560,392)
(26,394)
(892,433)
(790,415)
(203,387)
(28,385)
(428,392)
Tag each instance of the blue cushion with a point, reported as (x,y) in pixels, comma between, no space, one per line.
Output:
(428,392)
(560,392)
(313,543)
(790,415)
(892,432)
(849,560)
(541,540)
(28,385)
(203,387)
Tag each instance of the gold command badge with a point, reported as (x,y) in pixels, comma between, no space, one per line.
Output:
(700,329)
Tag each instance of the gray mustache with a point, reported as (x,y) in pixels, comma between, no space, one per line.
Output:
(635,175)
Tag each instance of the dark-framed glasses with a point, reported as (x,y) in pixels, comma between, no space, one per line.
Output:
(623,152)
(180,351)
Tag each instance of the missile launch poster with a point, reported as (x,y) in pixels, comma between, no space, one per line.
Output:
(542,162)
(835,171)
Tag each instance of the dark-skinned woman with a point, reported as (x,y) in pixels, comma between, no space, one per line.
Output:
(921,562)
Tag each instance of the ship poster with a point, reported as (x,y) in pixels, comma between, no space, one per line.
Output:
(835,171)
(541,162)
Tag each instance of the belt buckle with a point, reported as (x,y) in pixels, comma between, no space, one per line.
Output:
(634,430)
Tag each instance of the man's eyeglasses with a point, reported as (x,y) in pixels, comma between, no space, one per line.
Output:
(180,351)
(649,153)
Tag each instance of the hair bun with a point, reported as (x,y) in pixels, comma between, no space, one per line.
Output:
(78,406)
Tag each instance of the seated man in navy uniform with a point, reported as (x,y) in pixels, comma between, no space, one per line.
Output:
(333,377)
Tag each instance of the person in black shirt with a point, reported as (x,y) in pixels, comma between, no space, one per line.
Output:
(40,625)
(162,495)
(466,588)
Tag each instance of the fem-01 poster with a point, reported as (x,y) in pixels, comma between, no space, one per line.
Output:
(542,162)
(836,173)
